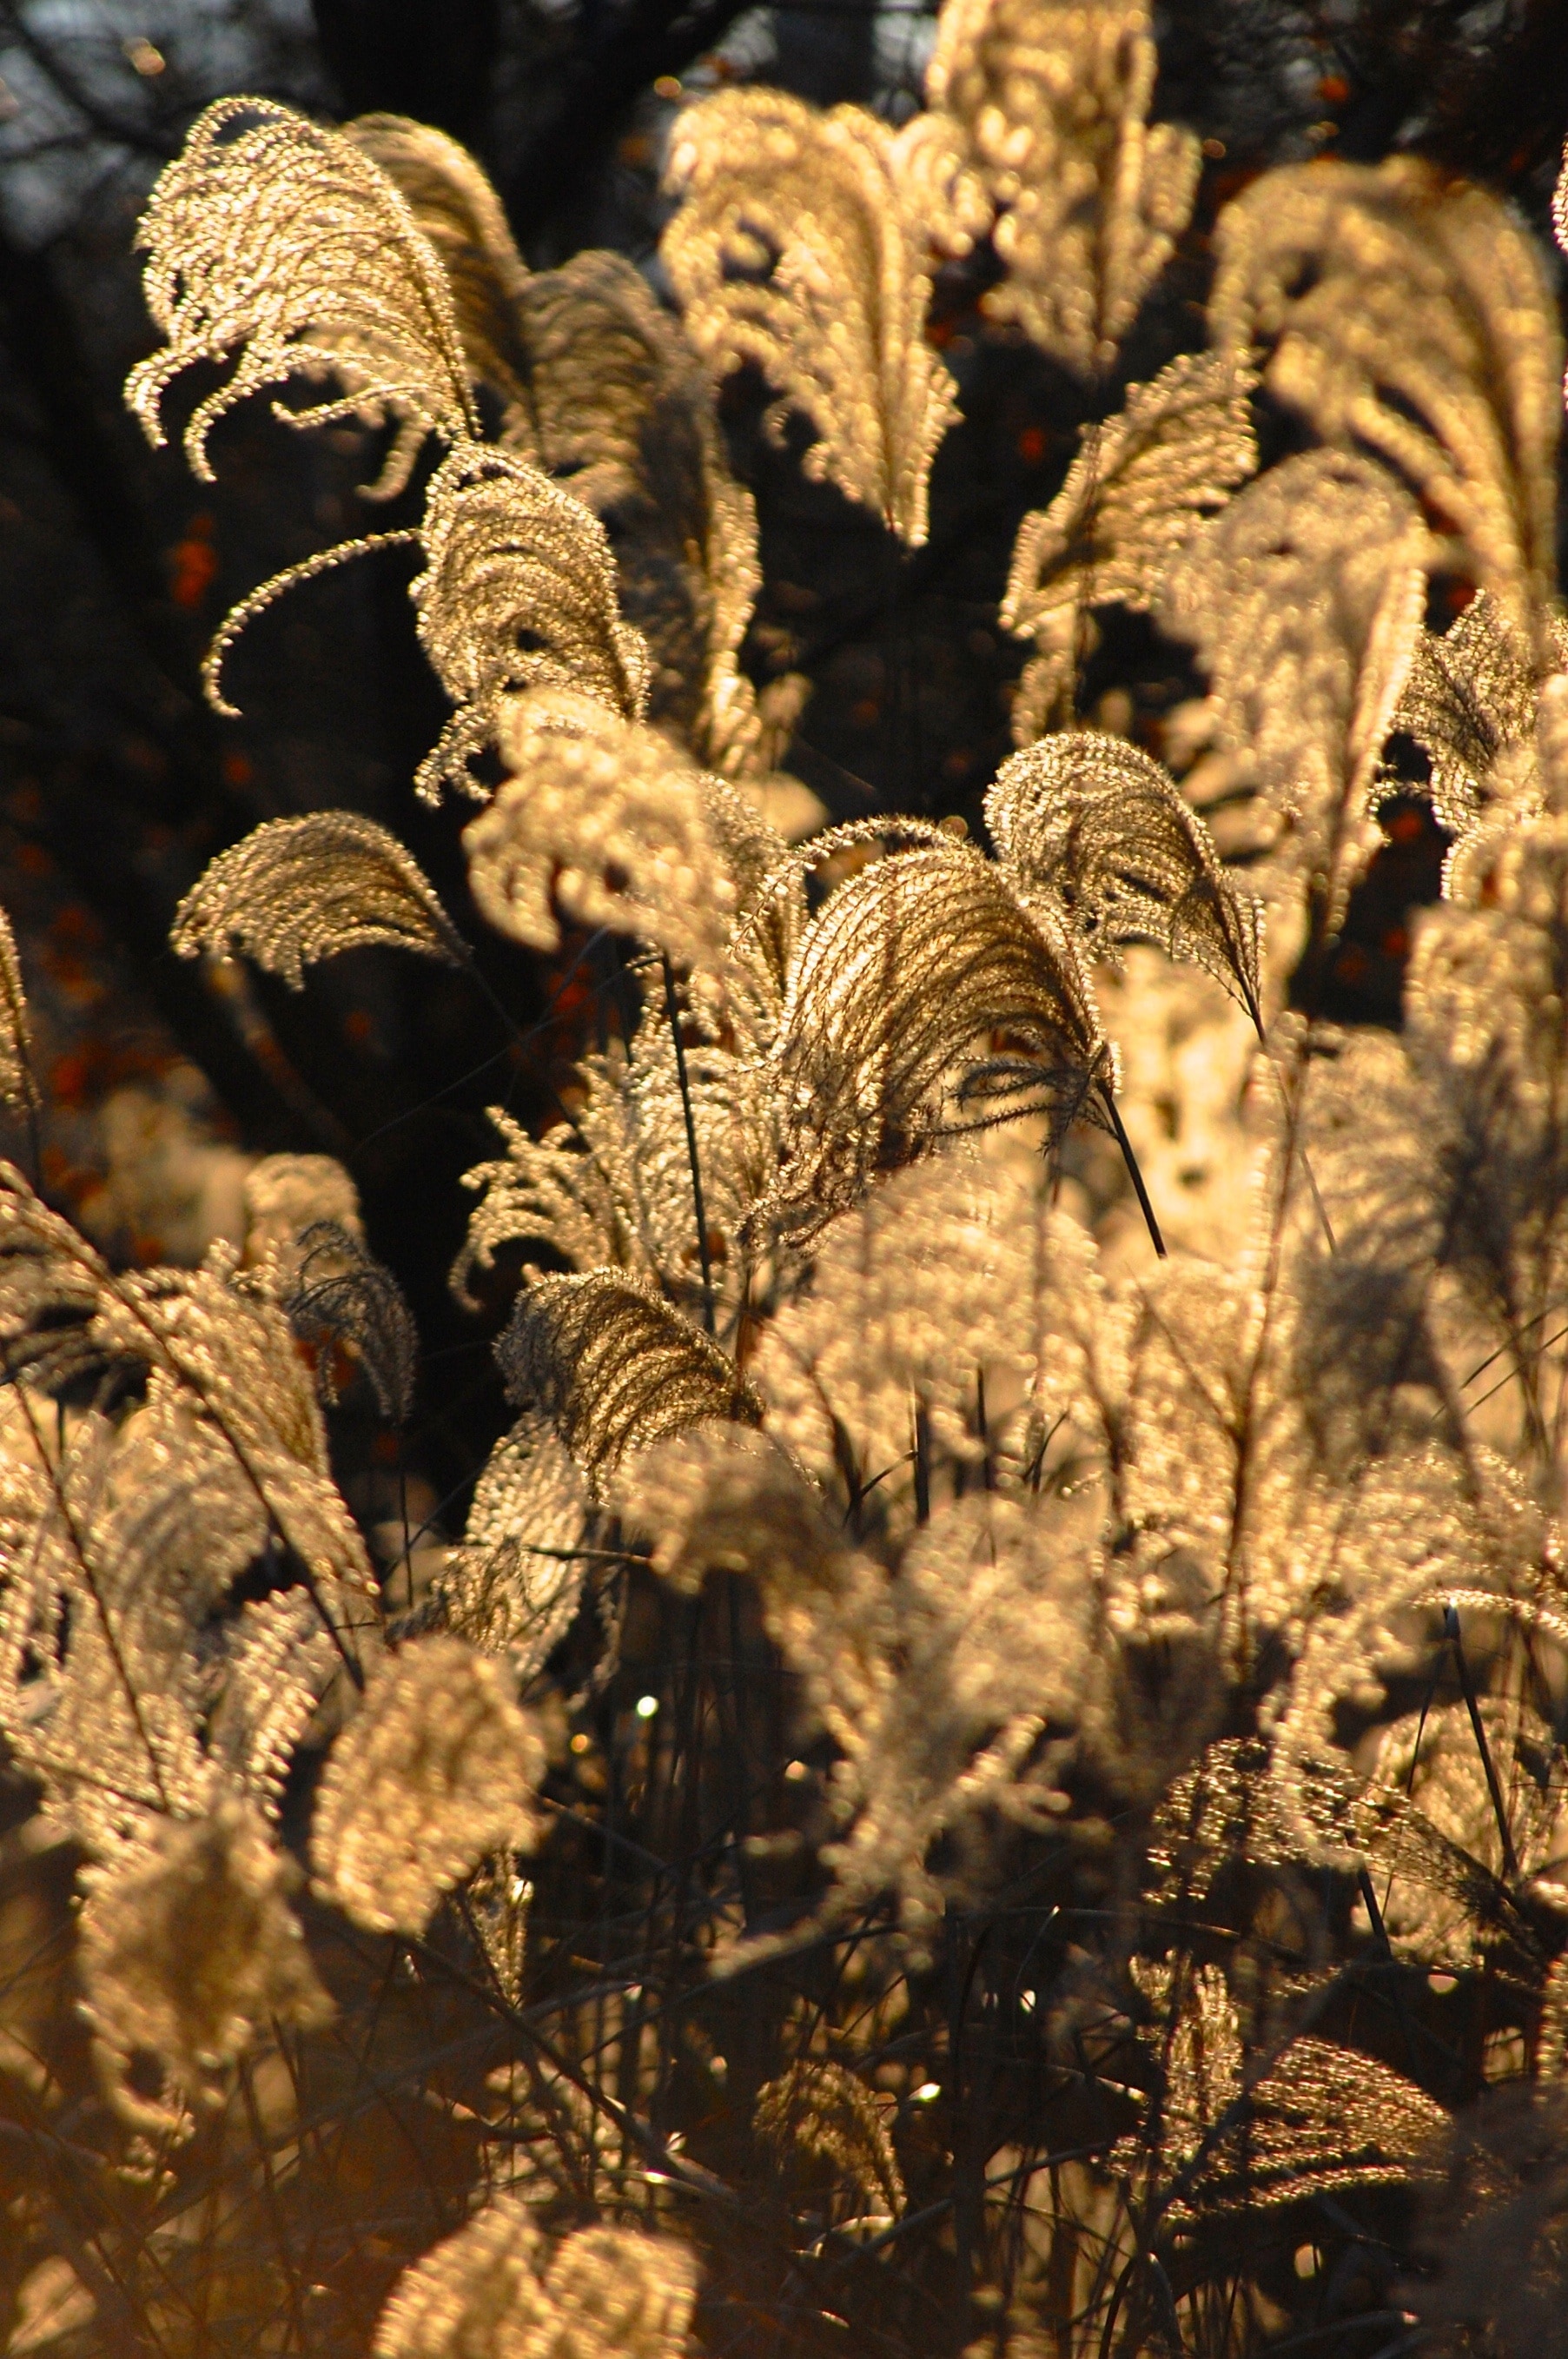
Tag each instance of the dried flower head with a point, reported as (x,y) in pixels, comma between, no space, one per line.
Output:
(231,1349)
(278,239)
(798,247)
(485,2293)
(279,1663)
(190,1950)
(1304,598)
(344,1296)
(476,2295)
(284,1194)
(440,1767)
(1410,316)
(518,591)
(1139,485)
(1051,97)
(613,1186)
(512,1587)
(721,1498)
(1096,825)
(614,1367)
(455,208)
(297,890)
(1472,704)
(1319,2117)
(18,1087)
(925,1001)
(1437,1772)
(618,2292)
(987,1656)
(603,819)
(821,2128)
(625,408)
(127,1550)
(718,1499)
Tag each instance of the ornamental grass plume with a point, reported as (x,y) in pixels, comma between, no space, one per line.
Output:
(955,1782)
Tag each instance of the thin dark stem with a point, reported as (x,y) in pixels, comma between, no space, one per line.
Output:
(671,1009)
(921,1463)
(1295,1147)
(1494,1788)
(471,967)
(1374,1914)
(403,1522)
(1133,1173)
(988,1464)
(1426,1703)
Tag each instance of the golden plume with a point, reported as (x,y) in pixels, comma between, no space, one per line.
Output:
(1411,317)
(615,1368)
(1305,599)
(798,247)
(925,1001)
(625,409)
(603,819)
(290,246)
(297,890)
(1096,826)
(438,1769)
(276,240)
(1140,487)
(189,1952)
(598,384)
(451,199)
(1052,99)
(518,591)
(609,2293)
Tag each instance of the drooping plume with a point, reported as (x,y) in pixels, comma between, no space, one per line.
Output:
(625,409)
(298,891)
(289,245)
(603,819)
(818,2119)
(797,247)
(1305,599)
(1225,2139)
(455,207)
(1472,704)
(278,244)
(924,1000)
(190,1951)
(512,1587)
(1097,826)
(1140,484)
(438,1768)
(615,1368)
(344,1297)
(518,591)
(1410,316)
(607,2293)
(1051,97)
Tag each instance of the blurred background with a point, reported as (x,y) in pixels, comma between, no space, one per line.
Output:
(164,1081)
